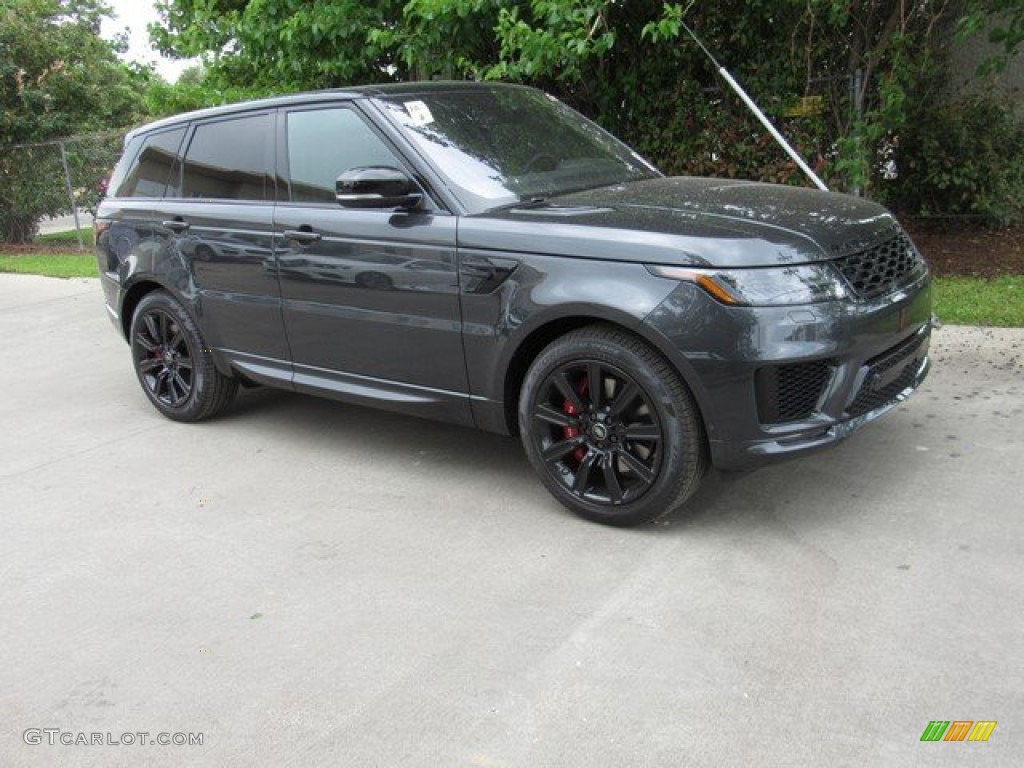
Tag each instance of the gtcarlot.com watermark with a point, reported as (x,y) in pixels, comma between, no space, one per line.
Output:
(56,736)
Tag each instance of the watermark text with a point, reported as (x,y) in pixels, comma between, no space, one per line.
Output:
(57,736)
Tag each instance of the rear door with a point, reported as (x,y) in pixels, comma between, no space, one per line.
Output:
(223,220)
(370,297)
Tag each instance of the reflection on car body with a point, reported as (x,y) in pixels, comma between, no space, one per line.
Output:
(227,246)
(375,271)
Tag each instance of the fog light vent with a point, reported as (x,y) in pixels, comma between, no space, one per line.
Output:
(791,392)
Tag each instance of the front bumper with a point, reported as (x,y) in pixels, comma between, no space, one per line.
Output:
(822,432)
(776,383)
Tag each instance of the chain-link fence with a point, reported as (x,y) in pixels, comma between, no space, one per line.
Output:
(54,178)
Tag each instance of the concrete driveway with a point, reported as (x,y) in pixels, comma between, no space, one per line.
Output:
(305,583)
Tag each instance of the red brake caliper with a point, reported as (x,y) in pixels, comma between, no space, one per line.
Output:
(571,432)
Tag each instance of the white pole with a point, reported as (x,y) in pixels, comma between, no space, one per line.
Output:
(772,130)
(759,114)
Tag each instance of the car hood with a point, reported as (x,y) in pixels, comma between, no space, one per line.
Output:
(687,221)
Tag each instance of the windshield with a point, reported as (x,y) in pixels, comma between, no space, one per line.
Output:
(503,145)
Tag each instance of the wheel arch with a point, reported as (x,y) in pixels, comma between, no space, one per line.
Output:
(168,271)
(146,284)
(534,342)
(132,297)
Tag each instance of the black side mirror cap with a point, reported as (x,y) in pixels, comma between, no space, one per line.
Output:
(377,187)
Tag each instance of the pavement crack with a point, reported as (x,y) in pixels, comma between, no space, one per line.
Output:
(75,454)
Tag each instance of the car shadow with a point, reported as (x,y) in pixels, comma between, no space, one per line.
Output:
(725,500)
(321,424)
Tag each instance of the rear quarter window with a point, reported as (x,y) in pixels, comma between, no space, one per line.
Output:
(151,165)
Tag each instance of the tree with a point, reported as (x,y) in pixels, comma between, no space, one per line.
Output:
(845,77)
(57,77)
(195,89)
(280,45)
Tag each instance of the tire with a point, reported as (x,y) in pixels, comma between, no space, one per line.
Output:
(173,363)
(627,454)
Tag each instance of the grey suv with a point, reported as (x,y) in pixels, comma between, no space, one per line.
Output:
(483,254)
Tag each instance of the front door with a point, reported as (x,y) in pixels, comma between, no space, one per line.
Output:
(370,297)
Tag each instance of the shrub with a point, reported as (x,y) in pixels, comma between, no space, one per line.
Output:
(964,158)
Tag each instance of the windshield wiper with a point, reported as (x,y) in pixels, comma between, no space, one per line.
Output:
(533,202)
(526,203)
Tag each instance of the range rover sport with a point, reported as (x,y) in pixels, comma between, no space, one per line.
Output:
(484,255)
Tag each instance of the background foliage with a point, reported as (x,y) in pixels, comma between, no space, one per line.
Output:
(860,86)
(57,78)
(963,158)
(855,83)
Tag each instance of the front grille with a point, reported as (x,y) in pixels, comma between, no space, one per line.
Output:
(882,269)
(871,396)
(790,392)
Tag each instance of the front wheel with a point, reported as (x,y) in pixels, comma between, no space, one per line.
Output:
(172,363)
(610,428)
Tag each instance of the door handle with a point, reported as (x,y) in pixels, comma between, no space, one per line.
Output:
(177,225)
(302,235)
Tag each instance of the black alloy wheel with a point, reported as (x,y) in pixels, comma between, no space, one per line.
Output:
(172,363)
(599,432)
(166,368)
(610,428)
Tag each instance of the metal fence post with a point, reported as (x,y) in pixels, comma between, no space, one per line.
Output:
(857,108)
(71,194)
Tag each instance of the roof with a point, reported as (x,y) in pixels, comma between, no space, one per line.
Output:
(333,94)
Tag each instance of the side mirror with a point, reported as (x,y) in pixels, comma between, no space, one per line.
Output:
(377,187)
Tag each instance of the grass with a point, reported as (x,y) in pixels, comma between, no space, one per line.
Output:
(997,302)
(67,237)
(50,264)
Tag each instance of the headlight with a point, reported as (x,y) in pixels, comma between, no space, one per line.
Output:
(762,286)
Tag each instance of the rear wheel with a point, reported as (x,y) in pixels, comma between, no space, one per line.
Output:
(173,364)
(610,428)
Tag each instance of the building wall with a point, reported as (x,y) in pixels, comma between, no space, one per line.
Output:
(965,58)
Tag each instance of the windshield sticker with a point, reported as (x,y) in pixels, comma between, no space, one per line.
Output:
(419,112)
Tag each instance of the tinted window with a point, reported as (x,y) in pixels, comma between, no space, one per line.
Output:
(125,164)
(323,144)
(231,160)
(149,174)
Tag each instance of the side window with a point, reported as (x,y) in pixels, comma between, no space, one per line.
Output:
(323,144)
(151,171)
(231,160)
